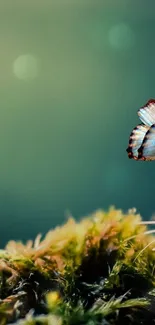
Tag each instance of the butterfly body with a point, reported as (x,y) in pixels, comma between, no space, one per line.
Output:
(142,138)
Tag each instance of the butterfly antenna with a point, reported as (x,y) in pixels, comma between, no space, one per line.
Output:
(148,232)
(150,222)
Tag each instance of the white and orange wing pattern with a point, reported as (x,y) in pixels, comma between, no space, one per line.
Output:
(142,138)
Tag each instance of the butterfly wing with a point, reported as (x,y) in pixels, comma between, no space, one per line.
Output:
(136,140)
(147,149)
(147,113)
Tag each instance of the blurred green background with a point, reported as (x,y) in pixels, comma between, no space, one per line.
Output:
(72,77)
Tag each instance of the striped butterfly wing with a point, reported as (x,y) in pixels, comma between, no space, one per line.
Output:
(147,113)
(147,148)
(136,140)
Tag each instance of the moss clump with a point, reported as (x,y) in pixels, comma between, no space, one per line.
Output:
(100,271)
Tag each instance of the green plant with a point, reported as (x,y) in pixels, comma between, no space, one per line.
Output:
(100,271)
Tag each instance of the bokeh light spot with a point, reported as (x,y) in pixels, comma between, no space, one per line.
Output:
(121,37)
(25,67)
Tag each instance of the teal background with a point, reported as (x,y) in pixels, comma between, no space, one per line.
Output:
(64,133)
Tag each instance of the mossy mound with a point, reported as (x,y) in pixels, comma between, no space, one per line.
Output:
(100,271)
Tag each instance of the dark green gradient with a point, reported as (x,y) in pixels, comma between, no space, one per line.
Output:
(63,135)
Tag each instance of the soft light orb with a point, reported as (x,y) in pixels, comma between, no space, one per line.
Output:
(25,67)
(121,37)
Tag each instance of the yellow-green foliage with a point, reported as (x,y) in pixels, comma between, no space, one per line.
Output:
(100,270)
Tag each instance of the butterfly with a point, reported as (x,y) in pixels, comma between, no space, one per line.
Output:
(142,138)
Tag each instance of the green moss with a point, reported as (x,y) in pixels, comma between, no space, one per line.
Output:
(98,271)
